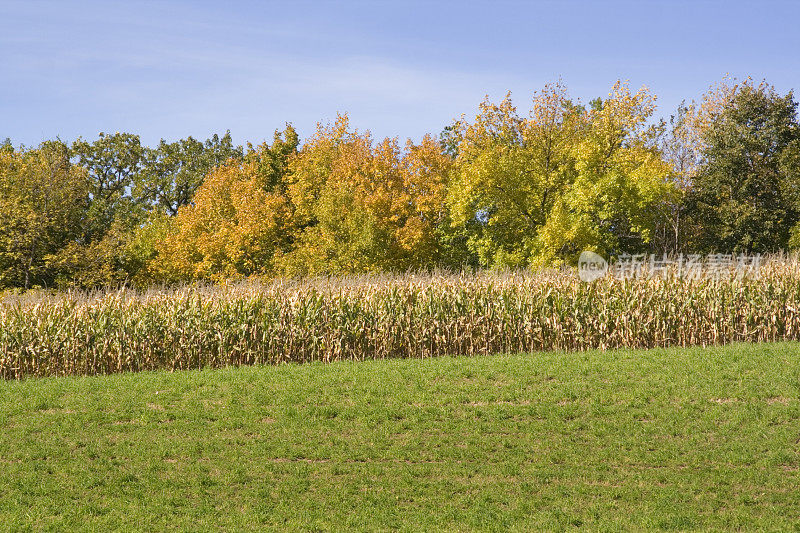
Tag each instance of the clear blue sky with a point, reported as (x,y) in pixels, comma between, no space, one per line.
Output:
(172,69)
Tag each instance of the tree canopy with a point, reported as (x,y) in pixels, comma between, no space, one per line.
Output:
(744,197)
(503,188)
(565,178)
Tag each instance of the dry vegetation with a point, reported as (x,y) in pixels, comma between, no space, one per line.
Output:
(416,316)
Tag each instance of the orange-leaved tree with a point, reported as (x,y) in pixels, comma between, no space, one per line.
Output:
(238,223)
(364,207)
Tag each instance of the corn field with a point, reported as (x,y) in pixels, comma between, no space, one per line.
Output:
(356,318)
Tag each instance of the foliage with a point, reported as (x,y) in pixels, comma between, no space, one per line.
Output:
(112,162)
(621,180)
(502,190)
(566,178)
(42,203)
(679,150)
(745,195)
(172,172)
(364,207)
(138,252)
(237,223)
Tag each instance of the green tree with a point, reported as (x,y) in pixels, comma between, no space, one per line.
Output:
(450,138)
(172,172)
(112,163)
(746,194)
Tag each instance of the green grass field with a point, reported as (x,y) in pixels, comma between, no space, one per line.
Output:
(661,439)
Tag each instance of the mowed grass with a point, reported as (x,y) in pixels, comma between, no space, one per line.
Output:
(672,439)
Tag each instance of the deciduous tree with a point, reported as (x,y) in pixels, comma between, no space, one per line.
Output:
(364,207)
(746,195)
(43,198)
(540,188)
(237,224)
(172,172)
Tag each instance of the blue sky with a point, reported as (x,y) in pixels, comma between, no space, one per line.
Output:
(173,69)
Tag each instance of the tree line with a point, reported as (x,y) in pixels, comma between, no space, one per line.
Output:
(500,189)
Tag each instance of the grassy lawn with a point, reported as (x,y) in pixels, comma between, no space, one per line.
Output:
(673,439)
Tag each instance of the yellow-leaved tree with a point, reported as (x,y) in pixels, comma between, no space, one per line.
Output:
(621,180)
(43,201)
(510,173)
(539,189)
